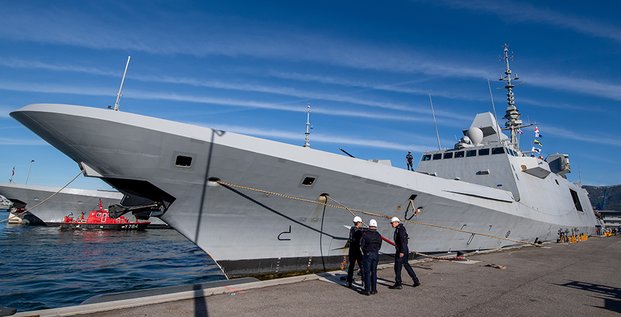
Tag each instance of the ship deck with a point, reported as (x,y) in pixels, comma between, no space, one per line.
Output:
(558,279)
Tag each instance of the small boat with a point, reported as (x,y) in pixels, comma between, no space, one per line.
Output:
(99,219)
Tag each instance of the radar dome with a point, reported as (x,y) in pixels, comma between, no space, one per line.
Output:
(476,135)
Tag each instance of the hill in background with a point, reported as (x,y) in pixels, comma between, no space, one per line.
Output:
(605,197)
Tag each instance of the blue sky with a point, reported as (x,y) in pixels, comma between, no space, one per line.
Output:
(365,67)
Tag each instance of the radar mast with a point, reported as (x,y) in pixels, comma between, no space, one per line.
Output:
(308,127)
(512,113)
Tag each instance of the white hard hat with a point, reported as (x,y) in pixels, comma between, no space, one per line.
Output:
(395,219)
(372,223)
(357,219)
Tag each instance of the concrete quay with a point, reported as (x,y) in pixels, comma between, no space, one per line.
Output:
(580,279)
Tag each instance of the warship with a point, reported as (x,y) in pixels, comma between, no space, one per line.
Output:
(5,204)
(45,205)
(48,206)
(261,207)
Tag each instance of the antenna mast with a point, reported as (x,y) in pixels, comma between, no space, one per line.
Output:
(494,107)
(435,123)
(308,127)
(118,96)
(512,114)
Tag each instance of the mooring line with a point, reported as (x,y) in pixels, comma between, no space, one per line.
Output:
(46,199)
(353,211)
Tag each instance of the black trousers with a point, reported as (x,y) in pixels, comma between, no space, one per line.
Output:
(399,264)
(353,258)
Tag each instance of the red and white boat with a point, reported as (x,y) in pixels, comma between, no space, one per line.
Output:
(99,219)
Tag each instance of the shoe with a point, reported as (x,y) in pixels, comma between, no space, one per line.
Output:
(349,284)
(416,283)
(366,293)
(373,292)
(396,286)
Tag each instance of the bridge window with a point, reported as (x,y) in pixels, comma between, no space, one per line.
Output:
(448,155)
(459,154)
(471,153)
(437,156)
(498,150)
(483,152)
(426,157)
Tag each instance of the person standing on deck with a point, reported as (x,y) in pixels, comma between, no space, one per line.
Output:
(409,160)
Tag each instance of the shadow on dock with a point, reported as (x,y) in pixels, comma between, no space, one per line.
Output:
(611,295)
(200,302)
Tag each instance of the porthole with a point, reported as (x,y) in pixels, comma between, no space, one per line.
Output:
(308,181)
(183,161)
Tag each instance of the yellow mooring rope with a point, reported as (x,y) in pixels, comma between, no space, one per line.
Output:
(353,211)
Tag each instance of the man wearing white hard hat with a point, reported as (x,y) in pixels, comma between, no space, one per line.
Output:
(355,255)
(401,254)
(370,244)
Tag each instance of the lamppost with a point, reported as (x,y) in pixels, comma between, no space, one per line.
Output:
(29,168)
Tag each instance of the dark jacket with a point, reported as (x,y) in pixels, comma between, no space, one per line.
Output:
(401,239)
(355,235)
(371,241)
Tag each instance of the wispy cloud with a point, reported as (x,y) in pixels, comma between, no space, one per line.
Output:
(4,111)
(320,138)
(212,36)
(286,91)
(584,137)
(14,141)
(30,64)
(398,87)
(524,12)
(230,102)
(564,83)
(68,27)
(275,106)
(557,105)
(305,95)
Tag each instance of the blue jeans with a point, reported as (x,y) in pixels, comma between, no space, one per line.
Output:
(399,264)
(369,261)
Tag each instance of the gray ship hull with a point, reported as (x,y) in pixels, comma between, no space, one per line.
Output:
(47,207)
(277,223)
(54,209)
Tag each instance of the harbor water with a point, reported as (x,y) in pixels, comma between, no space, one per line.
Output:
(44,267)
